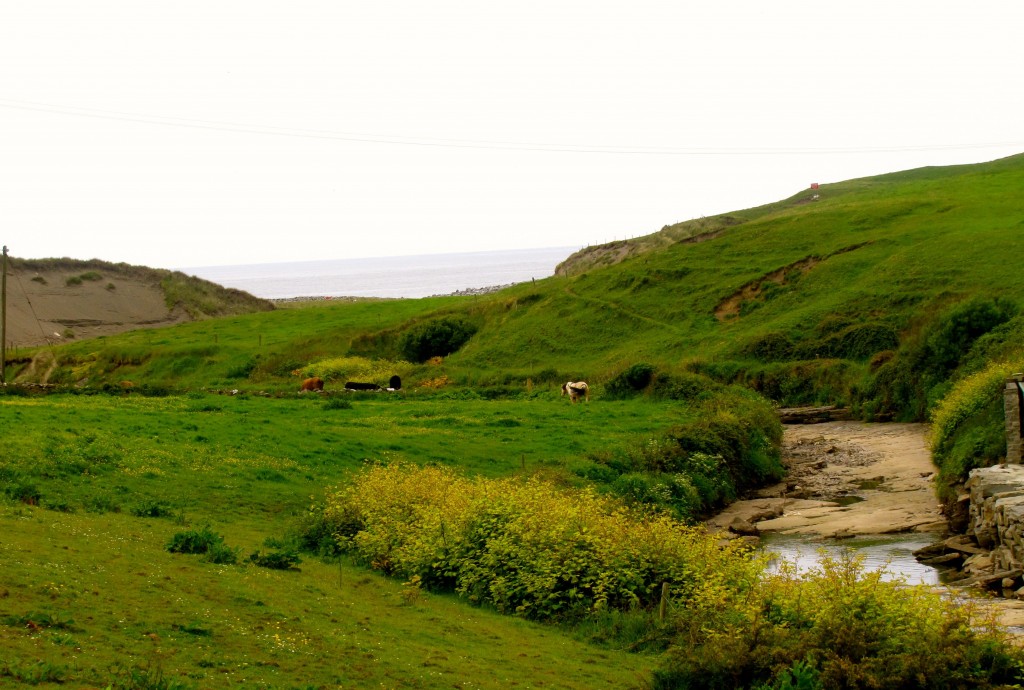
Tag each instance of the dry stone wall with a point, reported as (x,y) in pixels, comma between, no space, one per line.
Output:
(996,519)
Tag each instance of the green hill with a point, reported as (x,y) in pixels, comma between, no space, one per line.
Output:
(890,294)
(872,295)
(805,301)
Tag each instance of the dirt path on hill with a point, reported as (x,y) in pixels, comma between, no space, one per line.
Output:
(845,479)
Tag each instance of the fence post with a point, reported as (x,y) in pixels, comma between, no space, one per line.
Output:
(664,602)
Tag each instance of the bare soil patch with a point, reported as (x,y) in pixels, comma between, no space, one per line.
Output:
(45,308)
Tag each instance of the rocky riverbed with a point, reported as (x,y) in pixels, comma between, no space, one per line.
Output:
(851,479)
(846,478)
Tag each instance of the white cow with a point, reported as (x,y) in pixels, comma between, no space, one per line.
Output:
(576,390)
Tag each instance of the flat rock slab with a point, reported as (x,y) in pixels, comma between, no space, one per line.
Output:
(887,466)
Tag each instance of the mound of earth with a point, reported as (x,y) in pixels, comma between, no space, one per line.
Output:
(53,300)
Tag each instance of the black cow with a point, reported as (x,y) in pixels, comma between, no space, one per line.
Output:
(359,386)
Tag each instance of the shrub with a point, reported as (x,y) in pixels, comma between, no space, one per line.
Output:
(276,560)
(242,371)
(968,425)
(858,341)
(685,386)
(837,627)
(336,403)
(221,554)
(436,338)
(630,382)
(24,491)
(526,547)
(194,541)
(771,347)
(151,509)
(903,386)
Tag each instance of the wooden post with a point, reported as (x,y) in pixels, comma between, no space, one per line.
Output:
(1013,415)
(664,602)
(3,321)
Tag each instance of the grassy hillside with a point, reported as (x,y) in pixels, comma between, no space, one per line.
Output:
(881,295)
(93,489)
(890,294)
(105,500)
(797,299)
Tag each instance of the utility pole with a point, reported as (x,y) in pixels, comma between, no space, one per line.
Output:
(3,321)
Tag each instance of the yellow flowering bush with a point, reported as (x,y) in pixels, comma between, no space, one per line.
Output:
(357,369)
(966,399)
(968,425)
(838,626)
(525,546)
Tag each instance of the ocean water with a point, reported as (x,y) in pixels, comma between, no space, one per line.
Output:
(393,276)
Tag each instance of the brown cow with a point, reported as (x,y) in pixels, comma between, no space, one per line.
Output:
(314,384)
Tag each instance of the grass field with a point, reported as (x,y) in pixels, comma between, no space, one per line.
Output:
(90,594)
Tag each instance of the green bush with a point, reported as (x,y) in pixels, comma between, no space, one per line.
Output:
(23,491)
(631,381)
(838,627)
(195,541)
(435,338)
(770,347)
(727,445)
(222,554)
(905,385)
(859,341)
(276,560)
(151,508)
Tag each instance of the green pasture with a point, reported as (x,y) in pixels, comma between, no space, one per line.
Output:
(256,458)
(89,590)
(94,600)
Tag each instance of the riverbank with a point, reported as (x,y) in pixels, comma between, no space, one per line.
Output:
(849,480)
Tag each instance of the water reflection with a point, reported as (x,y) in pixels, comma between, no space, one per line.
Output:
(893,553)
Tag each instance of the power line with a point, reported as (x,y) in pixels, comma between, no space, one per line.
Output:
(402,140)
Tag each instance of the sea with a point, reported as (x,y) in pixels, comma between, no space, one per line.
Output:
(390,276)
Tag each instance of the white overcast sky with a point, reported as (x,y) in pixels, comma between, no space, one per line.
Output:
(186,133)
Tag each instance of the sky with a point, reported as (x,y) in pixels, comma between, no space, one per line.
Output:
(217,132)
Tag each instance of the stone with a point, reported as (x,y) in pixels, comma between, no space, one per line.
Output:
(743,527)
(963,544)
(945,559)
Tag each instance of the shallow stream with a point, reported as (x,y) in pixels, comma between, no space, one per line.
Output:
(891,553)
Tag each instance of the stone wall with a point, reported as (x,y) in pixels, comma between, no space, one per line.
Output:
(996,519)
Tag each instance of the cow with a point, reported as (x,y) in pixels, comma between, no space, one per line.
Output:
(314,384)
(576,390)
(359,386)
